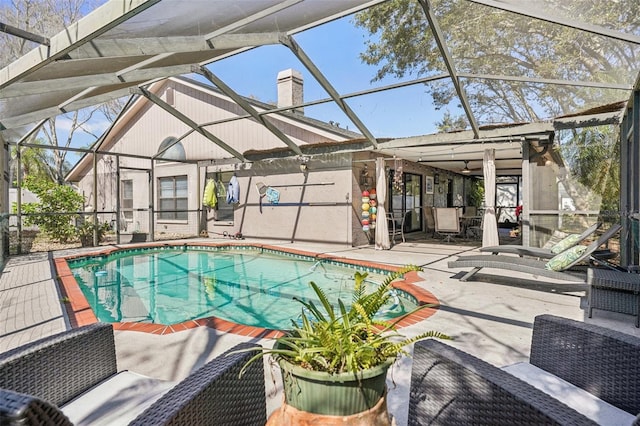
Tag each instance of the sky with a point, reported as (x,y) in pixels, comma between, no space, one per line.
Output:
(334,48)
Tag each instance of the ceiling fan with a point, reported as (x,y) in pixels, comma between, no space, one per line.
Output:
(466,170)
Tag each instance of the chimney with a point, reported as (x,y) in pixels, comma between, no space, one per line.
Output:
(290,89)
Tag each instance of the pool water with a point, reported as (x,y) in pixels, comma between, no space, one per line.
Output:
(250,287)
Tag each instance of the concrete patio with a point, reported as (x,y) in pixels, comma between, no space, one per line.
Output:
(490,318)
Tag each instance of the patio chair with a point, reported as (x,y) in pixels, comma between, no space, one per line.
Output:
(543,253)
(557,267)
(577,374)
(447,222)
(429,221)
(473,227)
(614,291)
(72,378)
(396,225)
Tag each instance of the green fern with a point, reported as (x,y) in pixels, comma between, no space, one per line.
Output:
(346,340)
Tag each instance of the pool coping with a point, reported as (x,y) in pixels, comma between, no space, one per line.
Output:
(80,313)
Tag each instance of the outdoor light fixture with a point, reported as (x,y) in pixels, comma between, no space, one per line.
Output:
(304,163)
(365,179)
(466,170)
(436,179)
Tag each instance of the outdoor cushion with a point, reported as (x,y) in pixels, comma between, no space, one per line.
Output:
(117,400)
(579,399)
(556,237)
(561,261)
(567,242)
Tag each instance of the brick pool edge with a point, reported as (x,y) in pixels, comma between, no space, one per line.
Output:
(80,312)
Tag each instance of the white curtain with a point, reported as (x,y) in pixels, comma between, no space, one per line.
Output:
(382,227)
(490,222)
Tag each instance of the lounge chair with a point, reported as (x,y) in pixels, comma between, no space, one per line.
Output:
(72,378)
(534,266)
(539,252)
(577,374)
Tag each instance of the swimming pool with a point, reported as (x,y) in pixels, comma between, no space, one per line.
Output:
(243,285)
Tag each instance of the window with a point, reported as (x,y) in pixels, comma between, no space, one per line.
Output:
(127,199)
(174,149)
(172,198)
(406,197)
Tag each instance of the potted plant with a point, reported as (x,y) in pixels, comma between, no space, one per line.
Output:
(334,361)
(86,230)
(138,237)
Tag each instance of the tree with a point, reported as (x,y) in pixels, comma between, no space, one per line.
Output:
(591,155)
(41,17)
(485,40)
(33,162)
(46,18)
(450,123)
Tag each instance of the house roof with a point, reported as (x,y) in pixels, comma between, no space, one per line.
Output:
(137,104)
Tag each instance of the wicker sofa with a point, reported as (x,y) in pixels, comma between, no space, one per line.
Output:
(40,381)
(451,387)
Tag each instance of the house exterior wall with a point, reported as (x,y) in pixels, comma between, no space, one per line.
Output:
(314,206)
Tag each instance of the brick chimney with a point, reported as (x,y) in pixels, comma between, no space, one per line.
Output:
(290,89)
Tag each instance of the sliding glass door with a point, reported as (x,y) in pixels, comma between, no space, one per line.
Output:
(407,198)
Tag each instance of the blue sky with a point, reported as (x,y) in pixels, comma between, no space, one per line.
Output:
(334,48)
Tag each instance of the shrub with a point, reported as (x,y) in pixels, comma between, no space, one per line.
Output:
(54,200)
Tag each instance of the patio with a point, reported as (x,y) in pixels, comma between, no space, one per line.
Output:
(491,319)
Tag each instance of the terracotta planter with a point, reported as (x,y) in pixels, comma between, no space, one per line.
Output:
(341,394)
(290,416)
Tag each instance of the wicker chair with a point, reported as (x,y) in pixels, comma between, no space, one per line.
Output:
(614,291)
(39,379)
(451,387)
